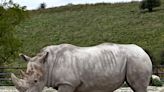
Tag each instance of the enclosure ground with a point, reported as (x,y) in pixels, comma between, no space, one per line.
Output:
(123,89)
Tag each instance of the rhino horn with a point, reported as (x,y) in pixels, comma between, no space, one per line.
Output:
(17,82)
(23,73)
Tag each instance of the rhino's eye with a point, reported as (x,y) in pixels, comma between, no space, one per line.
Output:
(35,81)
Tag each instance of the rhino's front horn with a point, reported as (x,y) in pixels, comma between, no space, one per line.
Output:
(17,82)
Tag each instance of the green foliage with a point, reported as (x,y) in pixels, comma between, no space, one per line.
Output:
(156,82)
(88,25)
(11,14)
(150,4)
(4,83)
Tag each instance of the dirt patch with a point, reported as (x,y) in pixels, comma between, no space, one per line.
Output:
(150,89)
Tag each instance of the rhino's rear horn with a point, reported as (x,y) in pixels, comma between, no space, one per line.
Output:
(23,74)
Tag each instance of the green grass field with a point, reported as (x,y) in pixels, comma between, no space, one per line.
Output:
(87,25)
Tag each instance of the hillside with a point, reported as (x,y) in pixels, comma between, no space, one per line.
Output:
(86,25)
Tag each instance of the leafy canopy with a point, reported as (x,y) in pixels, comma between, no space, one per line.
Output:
(11,14)
(150,4)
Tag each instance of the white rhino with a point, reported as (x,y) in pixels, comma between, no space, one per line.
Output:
(101,68)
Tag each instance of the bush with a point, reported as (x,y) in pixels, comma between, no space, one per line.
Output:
(156,82)
(150,4)
(42,6)
(11,14)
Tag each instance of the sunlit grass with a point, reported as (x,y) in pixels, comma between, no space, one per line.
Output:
(86,25)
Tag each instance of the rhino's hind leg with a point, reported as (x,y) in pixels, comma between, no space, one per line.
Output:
(138,80)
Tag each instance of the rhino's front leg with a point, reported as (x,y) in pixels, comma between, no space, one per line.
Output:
(66,88)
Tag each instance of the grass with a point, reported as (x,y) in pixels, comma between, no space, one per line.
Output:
(87,25)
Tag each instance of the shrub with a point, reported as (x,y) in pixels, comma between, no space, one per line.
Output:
(150,4)
(42,6)
(11,14)
(156,82)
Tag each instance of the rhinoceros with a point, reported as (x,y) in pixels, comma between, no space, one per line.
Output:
(101,68)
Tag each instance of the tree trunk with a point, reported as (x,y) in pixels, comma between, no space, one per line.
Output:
(1,65)
(150,9)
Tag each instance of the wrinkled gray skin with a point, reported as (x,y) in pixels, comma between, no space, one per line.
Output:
(101,68)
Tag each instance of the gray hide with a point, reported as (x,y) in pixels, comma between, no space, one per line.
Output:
(101,68)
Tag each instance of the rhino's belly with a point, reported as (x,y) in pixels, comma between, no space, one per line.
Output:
(106,88)
(102,84)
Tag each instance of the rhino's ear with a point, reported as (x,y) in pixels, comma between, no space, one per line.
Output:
(44,57)
(24,57)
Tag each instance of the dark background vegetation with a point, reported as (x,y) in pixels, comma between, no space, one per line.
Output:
(150,4)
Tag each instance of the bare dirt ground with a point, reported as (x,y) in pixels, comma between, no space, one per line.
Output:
(123,89)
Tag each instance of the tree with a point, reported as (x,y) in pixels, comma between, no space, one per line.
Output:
(42,6)
(11,14)
(162,57)
(150,4)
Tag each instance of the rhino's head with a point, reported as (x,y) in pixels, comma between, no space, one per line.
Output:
(33,78)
